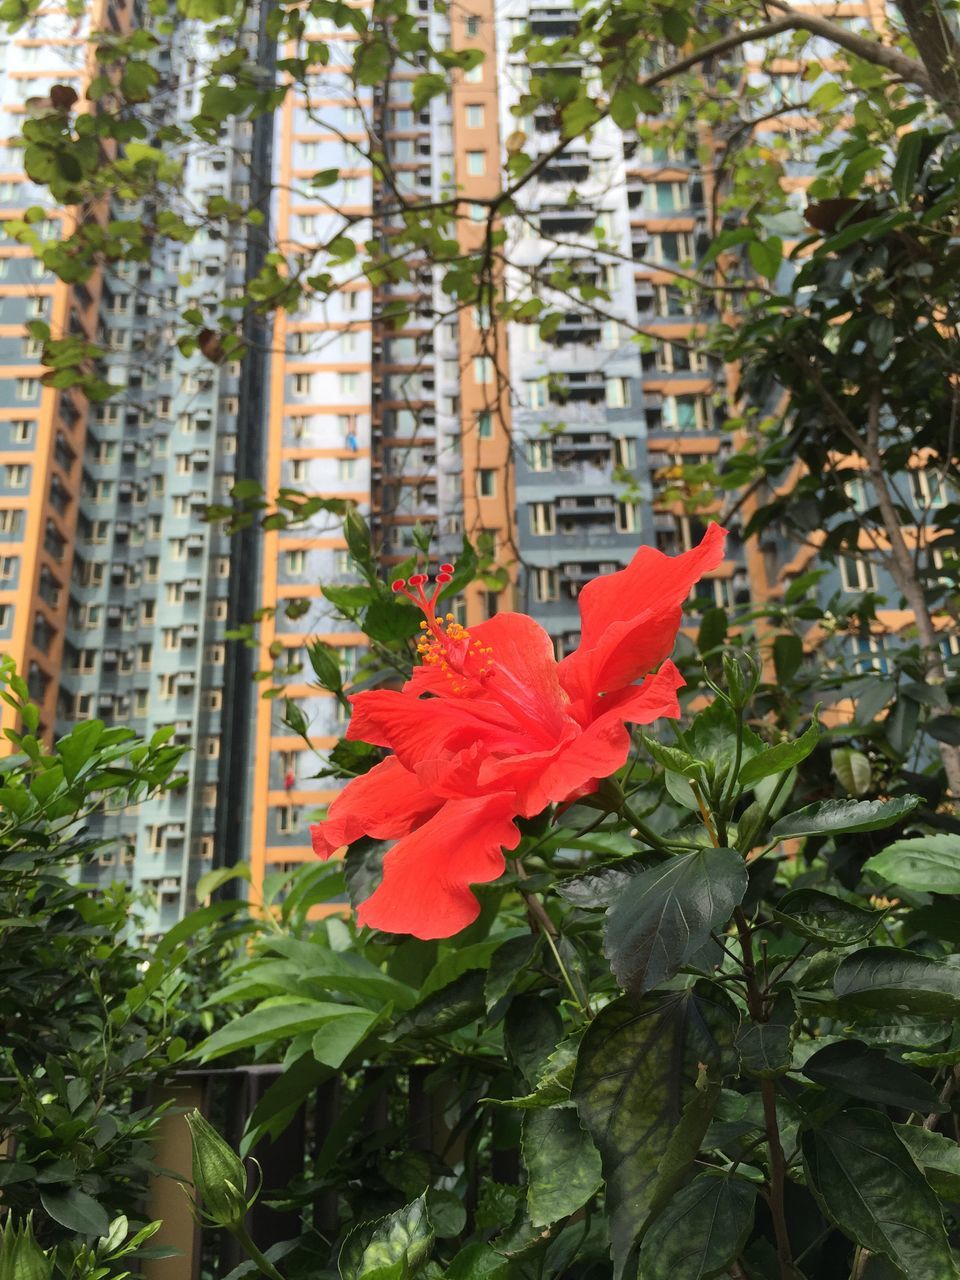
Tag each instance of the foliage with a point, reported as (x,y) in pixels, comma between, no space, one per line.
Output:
(89,1020)
(713,1019)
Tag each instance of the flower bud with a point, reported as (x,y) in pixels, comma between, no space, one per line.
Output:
(741,677)
(21,1258)
(219,1175)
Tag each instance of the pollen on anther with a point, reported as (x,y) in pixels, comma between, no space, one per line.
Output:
(446,568)
(418,579)
(444,578)
(398,584)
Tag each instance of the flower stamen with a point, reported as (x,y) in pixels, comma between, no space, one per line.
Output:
(444,642)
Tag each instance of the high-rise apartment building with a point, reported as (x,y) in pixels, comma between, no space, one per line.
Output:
(116,597)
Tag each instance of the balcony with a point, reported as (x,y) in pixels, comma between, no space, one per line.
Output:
(576,328)
(559,21)
(560,220)
(573,167)
(576,387)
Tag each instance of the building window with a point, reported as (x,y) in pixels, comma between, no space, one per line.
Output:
(857,574)
(540,455)
(538,395)
(546,585)
(482,370)
(476,163)
(302,381)
(485,425)
(478,212)
(214,655)
(295,563)
(928,490)
(474,75)
(347,468)
(288,820)
(542,518)
(27,388)
(617,393)
(17,476)
(486,482)
(475,115)
(349,383)
(210,747)
(472,25)
(628,518)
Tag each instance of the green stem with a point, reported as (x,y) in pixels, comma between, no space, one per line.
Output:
(550,932)
(646,833)
(260,1260)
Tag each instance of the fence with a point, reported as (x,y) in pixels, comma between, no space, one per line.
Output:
(228,1097)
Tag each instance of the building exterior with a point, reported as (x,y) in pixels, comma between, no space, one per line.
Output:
(116,597)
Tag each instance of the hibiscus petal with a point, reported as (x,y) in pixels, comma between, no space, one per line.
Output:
(602,748)
(385,803)
(427,875)
(630,619)
(522,678)
(420,729)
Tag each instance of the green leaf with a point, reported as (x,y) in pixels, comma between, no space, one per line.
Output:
(478,1261)
(394,1246)
(780,758)
(336,1039)
(212,880)
(766,255)
(787,657)
(701,1231)
(766,1048)
(928,864)
(852,769)
(78,746)
(868,1075)
(867,1183)
(665,915)
(822,917)
(899,981)
(638,1066)
(452,1007)
(76,1211)
(563,1165)
(833,817)
(269,1023)
(343,972)
(937,1156)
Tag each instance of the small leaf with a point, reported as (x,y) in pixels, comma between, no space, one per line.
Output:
(937,1156)
(563,1165)
(852,769)
(899,981)
(867,1183)
(928,864)
(76,1211)
(868,1075)
(822,917)
(701,1231)
(834,817)
(780,758)
(665,915)
(395,1245)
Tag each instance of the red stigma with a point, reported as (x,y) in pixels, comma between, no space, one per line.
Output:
(418,579)
(398,584)
(446,568)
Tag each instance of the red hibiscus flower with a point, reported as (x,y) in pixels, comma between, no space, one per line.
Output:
(491,727)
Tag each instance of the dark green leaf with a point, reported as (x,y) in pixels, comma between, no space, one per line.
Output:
(272,1023)
(937,1156)
(868,1184)
(891,979)
(929,864)
(638,1066)
(869,1075)
(833,817)
(944,729)
(76,1211)
(396,1245)
(453,1006)
(665,915)
(701,1231)
(787,657)
(563,1165)
(765,1048)
(823,917)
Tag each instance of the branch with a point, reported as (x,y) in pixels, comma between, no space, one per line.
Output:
(881,55)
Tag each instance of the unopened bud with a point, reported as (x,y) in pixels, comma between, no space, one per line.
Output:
(21,1258)
(741,675)
(219,1175)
